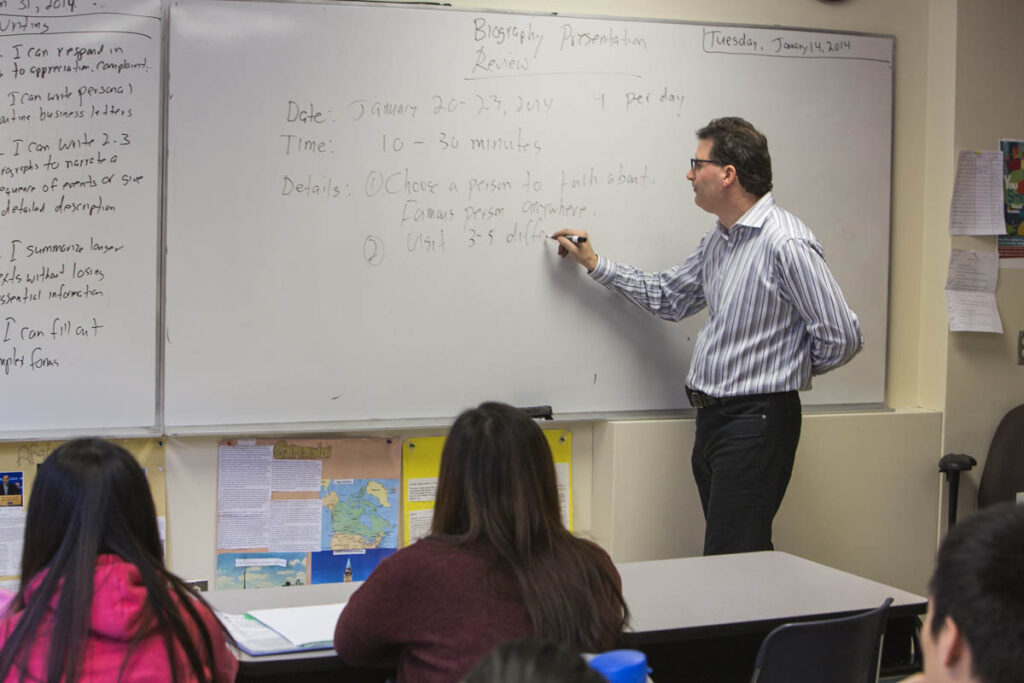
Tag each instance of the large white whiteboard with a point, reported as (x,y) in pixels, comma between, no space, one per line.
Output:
(79,216)
(357,199)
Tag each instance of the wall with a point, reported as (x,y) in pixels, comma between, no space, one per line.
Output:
(865,489)
(983,379)
(191,464)
(854,502)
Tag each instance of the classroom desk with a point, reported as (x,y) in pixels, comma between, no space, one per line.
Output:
(697,618)
(305,666)
(703,618)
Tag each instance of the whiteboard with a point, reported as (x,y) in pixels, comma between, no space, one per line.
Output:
(79,216)
(358,198)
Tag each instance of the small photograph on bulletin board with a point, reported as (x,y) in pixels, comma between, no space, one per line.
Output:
(11,487)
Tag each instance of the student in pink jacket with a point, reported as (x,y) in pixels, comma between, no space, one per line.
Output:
(96,602)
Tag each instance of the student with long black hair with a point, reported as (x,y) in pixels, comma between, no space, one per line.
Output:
(499,564)
(96,602)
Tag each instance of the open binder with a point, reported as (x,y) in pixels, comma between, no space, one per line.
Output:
(284,629)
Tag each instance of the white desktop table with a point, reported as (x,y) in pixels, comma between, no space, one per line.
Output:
(687,602)
(703,618)
(723,594)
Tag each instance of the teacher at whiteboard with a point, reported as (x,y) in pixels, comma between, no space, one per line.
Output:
(776,316)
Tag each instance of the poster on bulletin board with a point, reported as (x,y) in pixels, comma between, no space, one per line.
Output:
(299,511)
(421,465)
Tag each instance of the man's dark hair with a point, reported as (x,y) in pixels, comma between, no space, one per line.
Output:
(979,582)
(735,142)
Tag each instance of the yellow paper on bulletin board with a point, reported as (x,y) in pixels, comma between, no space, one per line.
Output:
(18,463)
(421,465)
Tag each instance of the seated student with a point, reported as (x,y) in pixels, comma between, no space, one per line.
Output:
(498,565)
(974,628)
(533,660)
(95,601)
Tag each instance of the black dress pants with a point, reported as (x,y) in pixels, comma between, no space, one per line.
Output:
(742,460)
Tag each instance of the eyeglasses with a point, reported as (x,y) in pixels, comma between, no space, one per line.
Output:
(694,163)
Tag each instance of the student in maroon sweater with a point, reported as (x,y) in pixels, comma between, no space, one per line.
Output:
(498,565)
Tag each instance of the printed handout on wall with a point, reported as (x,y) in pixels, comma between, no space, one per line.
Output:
(421,465)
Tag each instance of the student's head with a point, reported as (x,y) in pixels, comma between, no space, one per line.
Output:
(974,628)
(735,142)
(497,492)
(90,496)
(497,477)
(533,660)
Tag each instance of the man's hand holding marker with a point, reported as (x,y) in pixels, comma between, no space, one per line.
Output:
(576,243)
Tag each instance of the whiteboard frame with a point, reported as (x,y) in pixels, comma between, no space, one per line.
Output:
(154,427)
(363,425)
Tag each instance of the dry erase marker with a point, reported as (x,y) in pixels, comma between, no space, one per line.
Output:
(575,239)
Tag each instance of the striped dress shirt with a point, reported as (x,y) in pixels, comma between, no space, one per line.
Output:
(776,315)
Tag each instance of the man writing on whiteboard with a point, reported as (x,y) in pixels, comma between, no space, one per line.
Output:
(776,316)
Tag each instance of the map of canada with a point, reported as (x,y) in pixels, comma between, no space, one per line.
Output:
(359,514)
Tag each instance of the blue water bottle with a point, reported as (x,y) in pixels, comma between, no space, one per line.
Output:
(621,666)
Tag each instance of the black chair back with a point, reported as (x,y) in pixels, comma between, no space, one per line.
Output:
(843,650)
(1003,475)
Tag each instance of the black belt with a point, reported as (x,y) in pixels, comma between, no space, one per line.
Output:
(699,399)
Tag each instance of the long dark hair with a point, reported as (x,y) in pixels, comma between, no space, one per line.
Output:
(91,497)
(497,492)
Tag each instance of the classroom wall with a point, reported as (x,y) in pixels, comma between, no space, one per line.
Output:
(642,471)
(191,464)
(846,506)
(983,378)
(865,492)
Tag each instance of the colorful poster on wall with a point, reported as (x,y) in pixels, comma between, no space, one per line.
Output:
(1011,245)
(300,511)
(421,466)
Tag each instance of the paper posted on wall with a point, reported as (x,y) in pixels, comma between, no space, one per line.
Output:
(971,292)
(977,207)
